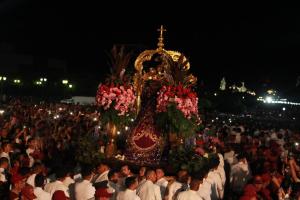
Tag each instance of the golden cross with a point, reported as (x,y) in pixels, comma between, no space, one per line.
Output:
(161,30)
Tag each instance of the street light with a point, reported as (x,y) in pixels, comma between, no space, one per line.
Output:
(17,81)
(2,78)
(70,86)
(43,79)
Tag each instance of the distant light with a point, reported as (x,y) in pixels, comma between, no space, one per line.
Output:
(269,99)
(1,112)
(294,118)
(283,108)
(60,109)
(215,94)
(71,113)
(95,119)
(118,132)
(99,127)
(126,128)
(49,112)
(4,78)
(17,81)
(132,119)
(296,143)
(45,79)
(212,120)
(243,97)
(41,79)
(65,82)
(70,86)
(217,118)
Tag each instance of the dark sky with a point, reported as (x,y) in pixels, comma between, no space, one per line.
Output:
(255,43)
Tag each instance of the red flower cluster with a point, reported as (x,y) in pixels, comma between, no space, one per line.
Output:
(122,96)
(185,99)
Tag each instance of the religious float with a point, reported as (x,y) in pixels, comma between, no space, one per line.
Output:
(157,105)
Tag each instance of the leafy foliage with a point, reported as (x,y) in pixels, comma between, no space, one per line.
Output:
(88,151)
(174,121)
(186,158)
(111,116)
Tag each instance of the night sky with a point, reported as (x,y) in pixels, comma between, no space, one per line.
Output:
(254,44)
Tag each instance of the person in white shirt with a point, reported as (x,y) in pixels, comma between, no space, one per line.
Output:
(192,193)
(113,183)
(3,166)
(161,181)
(38,190)
(61,174)
(147,190)
(204,190)
(68,180)
(6,148)
(131,184)
(102,172)
(37,168)
(85,190)
(174,187)
(214,178)
(239,174)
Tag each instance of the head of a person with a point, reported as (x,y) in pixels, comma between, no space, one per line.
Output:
(125,170)
(131,182)
(151,175)
(39,180)
(142,171)
(27,193)
(61,173)
(258,182)
(4,163)
(37,168)
(18,182)
(214,161)
(183,176)
(195,183)
(113,176)
(102,167)
(6,147)
(87,172)
(159,173)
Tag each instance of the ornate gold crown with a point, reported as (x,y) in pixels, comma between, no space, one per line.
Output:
(163,70)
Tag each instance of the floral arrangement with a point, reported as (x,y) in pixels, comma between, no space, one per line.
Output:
(177,108)
(117,103)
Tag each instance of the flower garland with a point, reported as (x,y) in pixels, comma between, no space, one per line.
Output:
(185,99)
(117,102)
(177,110)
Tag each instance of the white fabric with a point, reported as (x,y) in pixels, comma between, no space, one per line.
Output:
(189,195)
(2,176)
(148,191)
(68,180)
(56,185)
(102,177)
(173,188)
(216,184)
(205,190)
(31,180)
(41,194)
(239,175)
(84,190)
(31,159)
(128,195)
(162,183)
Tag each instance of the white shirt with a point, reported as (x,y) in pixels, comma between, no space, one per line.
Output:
(2,176)
(84,190)
(31,180)
(56,185)
(205,190)
(189,195)
(148,191)
(173,188)
(68,180)
(216,184)
(102,177)
(128,195)
(41,194)
(162,183)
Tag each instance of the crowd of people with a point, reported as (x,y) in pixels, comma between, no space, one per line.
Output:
(38,148)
